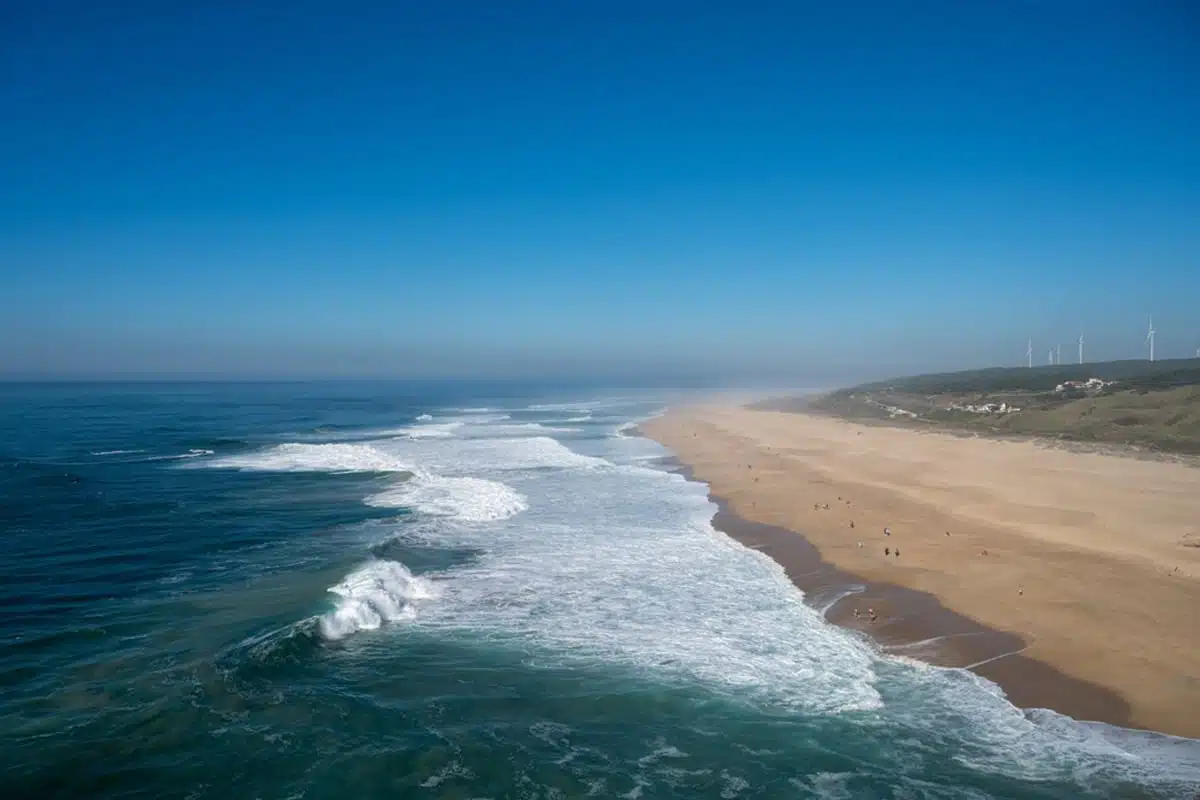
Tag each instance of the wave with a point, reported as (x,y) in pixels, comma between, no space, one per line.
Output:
(533,452)
(115,452)
(425,418)
(466,499)
(586,406)
(483,418)
(495,453)
(300,457)
(529,427)
(440,430)
(378,592)
(197,452)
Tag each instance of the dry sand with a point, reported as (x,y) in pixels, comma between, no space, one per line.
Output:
(1090,559)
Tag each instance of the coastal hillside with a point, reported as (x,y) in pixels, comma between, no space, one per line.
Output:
(1148,406)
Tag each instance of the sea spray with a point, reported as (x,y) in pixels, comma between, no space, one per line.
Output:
(378,592)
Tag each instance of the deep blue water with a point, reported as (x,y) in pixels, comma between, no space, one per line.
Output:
(448,590)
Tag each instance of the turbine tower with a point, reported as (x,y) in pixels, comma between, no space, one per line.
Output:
(1150,338)
(1058,354)
(1081,348)
(1029,354)
(1050,356)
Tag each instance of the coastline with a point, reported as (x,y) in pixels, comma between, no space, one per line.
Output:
(928,605)
(916,624)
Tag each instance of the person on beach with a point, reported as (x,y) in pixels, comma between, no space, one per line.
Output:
(887,531)
(887,551)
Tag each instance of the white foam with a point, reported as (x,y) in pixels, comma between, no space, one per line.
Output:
(620,565)
(480,454)
(193,453)
(115,452)
(586,405)
(622,430)
(379,592)
(523,428)
(299,457)
(467,499)
(440,430)
(425,418)
(539,452)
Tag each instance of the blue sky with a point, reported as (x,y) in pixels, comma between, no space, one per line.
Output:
(796,192)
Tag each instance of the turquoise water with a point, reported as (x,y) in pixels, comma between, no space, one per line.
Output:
(459,591)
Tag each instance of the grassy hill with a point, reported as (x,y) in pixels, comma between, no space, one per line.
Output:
(1150,375)
(1147,406)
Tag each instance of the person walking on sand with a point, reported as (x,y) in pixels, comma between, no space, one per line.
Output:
(887,531)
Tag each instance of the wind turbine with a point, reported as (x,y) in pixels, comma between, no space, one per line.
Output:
(1058,354)
(1050,357)
(1081,348)
(1150,338)
(1029,353)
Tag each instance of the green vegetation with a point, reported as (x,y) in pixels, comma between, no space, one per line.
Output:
(1141,405)
(1149,375)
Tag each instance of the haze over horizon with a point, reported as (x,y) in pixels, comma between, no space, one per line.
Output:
(751,192)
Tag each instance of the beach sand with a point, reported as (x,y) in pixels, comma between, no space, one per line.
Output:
(1073,577)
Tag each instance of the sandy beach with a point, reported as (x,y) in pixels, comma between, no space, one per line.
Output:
(1071,579)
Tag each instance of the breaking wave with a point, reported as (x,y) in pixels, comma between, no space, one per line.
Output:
(378,592)
(300,457)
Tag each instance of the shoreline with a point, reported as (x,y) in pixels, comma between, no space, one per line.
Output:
(916,624)
(1068,579)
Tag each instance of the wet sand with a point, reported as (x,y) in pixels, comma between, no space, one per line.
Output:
(1136,659)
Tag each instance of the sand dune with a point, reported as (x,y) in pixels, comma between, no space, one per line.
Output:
(1091,559)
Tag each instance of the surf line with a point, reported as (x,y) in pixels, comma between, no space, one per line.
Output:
(997,658)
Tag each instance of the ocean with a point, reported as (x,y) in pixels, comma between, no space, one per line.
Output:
(450,590)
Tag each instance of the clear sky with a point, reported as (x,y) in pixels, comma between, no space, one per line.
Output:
(791,191)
